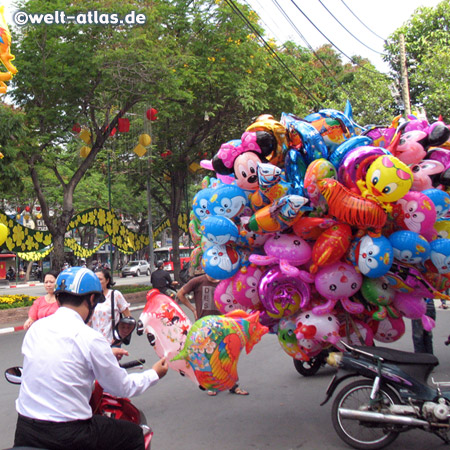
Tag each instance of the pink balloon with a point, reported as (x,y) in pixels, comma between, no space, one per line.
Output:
(418,212)
(245,285)
(390,330)
(167,325)
(413,308)
(224,299)
(338,281)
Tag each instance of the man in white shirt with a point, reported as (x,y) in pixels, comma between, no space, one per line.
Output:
(62,358)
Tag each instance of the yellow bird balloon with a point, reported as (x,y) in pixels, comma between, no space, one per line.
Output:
(5,55)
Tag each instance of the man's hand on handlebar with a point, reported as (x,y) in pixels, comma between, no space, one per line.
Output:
(161,367)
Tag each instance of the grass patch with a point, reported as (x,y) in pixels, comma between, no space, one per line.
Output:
(132,288)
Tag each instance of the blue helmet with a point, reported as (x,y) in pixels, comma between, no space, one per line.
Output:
(79,281)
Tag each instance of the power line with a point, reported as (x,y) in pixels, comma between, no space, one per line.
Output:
(349,32)
(331,42)
(362,23)
(273,52)
(309,46)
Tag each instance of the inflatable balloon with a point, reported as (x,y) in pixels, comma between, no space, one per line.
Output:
(5,52)
(335,282)
(321,328)
(221,261)
(278,216)
(331,246)
(417,212)
(213,346)
(282,295)
(194,229)
(317,170)
(378,292)
(166,326)
(359,333)
(441,201)
(288,251)
(351,208)
(346,147)
(440,255)
(227,201)
(442,227)
(409,247)
(245,286)
(388,179)
(422,174)
(389,330)
(224,299)
(372,255)
(219,230)
(288,340)
(413,308)
(310,228)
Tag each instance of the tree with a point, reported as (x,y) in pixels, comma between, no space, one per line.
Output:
(427,35)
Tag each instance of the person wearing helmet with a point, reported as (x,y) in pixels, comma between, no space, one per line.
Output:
(62,358)
(162,280)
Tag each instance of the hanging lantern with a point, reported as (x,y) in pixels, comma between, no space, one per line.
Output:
(38,216)
(85,136)
(18,209)
(2,155)
(145,140)
(27,209)
(151,114)
(123,125)
(38,208)
(140,150)
(84,151)
(113,131)
(76,128)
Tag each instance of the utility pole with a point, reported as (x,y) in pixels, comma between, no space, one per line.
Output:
(149,198)
(404,76)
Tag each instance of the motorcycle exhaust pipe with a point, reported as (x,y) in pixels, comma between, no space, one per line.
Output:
(378,417)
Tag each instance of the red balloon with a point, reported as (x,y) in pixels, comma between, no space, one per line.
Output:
(151,114)
(331,245)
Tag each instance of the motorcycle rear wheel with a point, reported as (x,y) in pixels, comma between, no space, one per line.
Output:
(308,368)
(360,434)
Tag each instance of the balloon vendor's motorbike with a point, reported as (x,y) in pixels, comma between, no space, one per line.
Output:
(394,396)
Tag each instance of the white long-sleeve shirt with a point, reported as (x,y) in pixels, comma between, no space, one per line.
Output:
(62,358)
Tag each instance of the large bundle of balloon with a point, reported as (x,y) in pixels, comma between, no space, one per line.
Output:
(331,231)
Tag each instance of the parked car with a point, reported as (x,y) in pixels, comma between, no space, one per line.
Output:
(136,268)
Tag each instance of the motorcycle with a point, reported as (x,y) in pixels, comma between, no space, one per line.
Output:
(101,402)
(311,367)
(394,396)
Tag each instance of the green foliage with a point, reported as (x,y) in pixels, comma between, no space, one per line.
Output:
(132,288)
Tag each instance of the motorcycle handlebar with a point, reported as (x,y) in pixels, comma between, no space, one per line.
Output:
(131,364)
(447,342)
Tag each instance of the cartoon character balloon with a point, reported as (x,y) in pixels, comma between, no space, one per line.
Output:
(440,255)
(288,340)
(389,330)
(335,282)
(440,199)
(166,326)
(224,299)
(245,286)
(409,247)
(413,308)
(378,292)
(213,346)
(221,261)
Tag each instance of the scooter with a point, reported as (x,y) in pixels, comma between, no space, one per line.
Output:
(394,396)
(101,402)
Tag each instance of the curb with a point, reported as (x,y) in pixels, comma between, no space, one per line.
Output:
(21,285)
(8,330)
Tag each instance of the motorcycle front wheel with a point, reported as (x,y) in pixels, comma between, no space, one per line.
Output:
(308,368)
(361,434)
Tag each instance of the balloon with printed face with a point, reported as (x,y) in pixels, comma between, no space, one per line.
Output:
(413,307)
(317,170)
(442,227)
(388,179)
(227,201)
(213,346)
(418,212)
(224,299)
(282,295)
(373,255)
(245,285)
(219,230)
(288,340)
(166,326)
(440,255)
(378,292)
(221,261)
(409,247)
(338,281)
(330,246)
(362,333)
(440,199)
(390,330)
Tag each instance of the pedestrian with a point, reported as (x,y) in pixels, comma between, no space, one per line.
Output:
(423,339)
(107,315)
(203,287)
(62,358)
(162,281)
(46,305)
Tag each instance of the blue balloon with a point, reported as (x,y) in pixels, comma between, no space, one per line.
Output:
(440,199)
(440,255)
(346,147)
(409,247)
(221,261)
(219,230)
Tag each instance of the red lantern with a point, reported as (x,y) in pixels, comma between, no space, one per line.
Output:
(123,125)
(151,114)
(18,209)
(38,208)
(76,128)
(27,209)
(113,131)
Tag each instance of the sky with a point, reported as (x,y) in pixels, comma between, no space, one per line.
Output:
(383,17)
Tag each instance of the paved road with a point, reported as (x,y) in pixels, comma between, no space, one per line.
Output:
(282,411)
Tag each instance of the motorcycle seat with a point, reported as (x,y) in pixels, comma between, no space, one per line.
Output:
(400,357)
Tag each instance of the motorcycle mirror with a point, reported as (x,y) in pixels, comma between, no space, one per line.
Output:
(122,331)
(14,375)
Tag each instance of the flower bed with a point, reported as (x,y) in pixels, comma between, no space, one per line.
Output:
(16,301)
